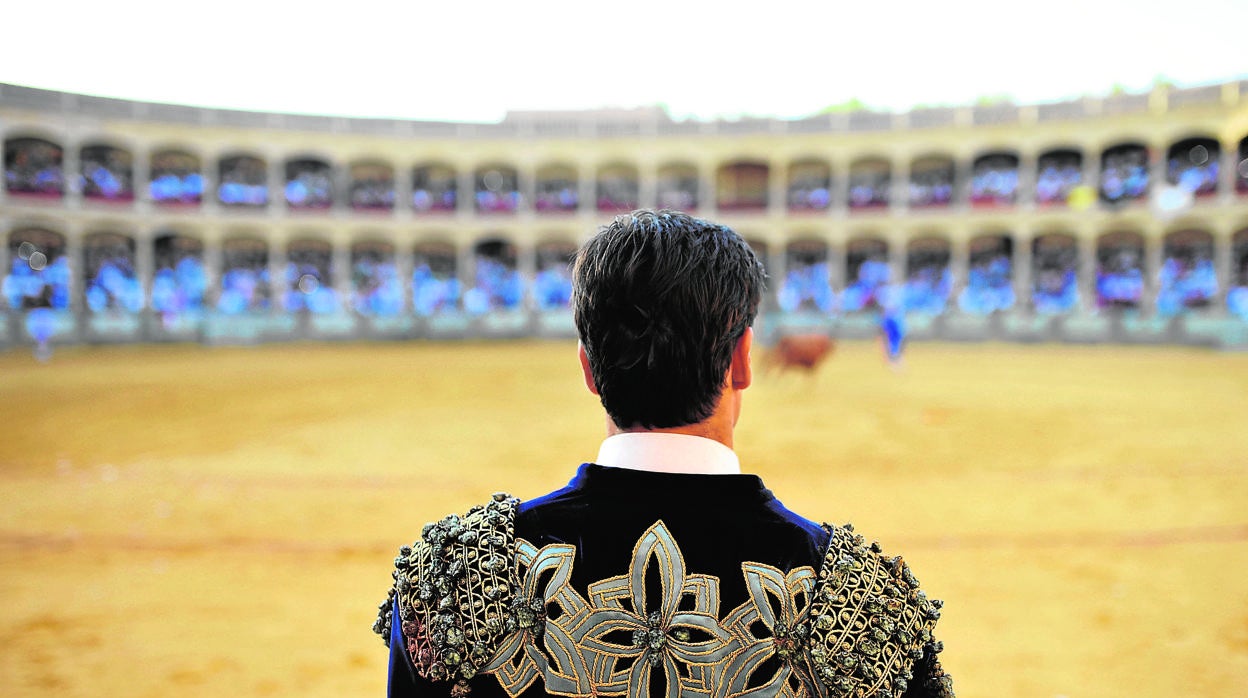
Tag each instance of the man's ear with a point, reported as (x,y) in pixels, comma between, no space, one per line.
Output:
(589,375)
(741,372)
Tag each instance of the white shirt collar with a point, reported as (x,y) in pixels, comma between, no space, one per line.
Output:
(668,453)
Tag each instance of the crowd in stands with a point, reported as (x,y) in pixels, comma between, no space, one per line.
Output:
(989,284)
(36,279)
(309,185)
(807,286)
(111,282)
(1056,290)
(106,174)
(552,287)
(868,189)
(1237,295)
(1193,169)
(1186,280)
(175,179)
(179,286)
(498,286)
(994,180)
(927,288)
(809,192)
(434,200)
(1057,176)
(932,186)
(376,288)
(556,195)
(309,288)
(243,182)
(433,292)
(245,282)
(1119,279)
(679,193)
(33,166)
(1124,174)
(617,193)
(869,285)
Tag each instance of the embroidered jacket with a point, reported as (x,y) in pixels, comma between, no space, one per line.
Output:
(588,591)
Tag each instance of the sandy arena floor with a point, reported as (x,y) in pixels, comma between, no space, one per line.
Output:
(214,522)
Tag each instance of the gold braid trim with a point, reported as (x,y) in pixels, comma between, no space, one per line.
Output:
(454,590)
(869,623)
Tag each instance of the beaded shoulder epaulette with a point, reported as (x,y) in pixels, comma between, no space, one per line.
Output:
(474,599)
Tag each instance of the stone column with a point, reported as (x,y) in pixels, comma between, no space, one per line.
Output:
(1023,242)
(213,259)
(466,198)
(899,188)
(1153,244)
(777,188)
(1086,271)
(1223,264)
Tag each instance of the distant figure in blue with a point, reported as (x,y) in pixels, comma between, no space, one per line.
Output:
(41,323)
(892,326)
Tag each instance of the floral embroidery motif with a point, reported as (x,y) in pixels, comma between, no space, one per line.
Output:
(536,646)
(777,602)
(630,635)
(474,599)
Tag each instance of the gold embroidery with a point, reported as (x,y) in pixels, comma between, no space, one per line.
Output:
(474,599)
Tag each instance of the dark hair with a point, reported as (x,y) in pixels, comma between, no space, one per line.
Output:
(660,300)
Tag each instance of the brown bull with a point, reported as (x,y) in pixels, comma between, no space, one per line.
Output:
(799,351)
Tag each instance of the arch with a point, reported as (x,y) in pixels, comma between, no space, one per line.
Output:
(110,282)
(932,181)
(175,178)
(809,186)
(242,180)
(869,183)
(497,189)
(1124,173)
(994,179)
(990,275)
(371,185)
(552,286)
(179,280)
(435,188)
(1120,270)
(309,283)
(106,173)
(868,274)
(929,276)
(34,167)
(1055,273)
(557,189)
(618,188)
(435,278)
(742,185)
(807,283)
(1058,172)
(39,270)
(1193,164)
(309,183)
(496,283)
(245,283)
(677,186)
(1188,278)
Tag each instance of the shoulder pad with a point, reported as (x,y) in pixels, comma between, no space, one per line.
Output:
(454,589)
(868,621)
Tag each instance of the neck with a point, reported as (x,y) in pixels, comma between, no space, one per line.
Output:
(717,427)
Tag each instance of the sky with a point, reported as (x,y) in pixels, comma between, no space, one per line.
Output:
(475,61)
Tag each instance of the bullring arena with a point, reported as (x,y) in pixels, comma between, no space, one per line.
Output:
(278,345)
